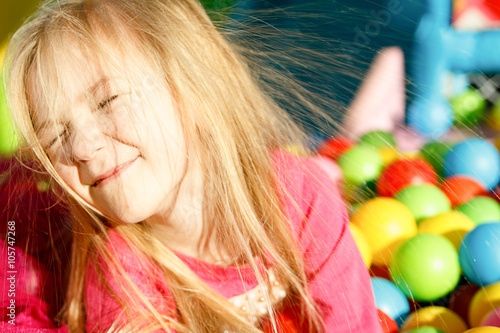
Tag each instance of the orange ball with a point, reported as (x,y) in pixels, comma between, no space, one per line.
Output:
(460,189)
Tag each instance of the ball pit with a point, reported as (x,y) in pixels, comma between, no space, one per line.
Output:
(420,218)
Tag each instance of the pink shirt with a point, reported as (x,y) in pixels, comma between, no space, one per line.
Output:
(338,280)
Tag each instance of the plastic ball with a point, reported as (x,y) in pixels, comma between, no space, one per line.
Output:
(387,323)
(425,267)
(424,200)
(476,158)
(460,189)
(479,254)
(378,139)
(8,138)
(451,225)
(492,319)
(361,164)
(481,209)
(363,246)
(461,298)
(404,172)
(389,154)
(385,223)
(438,317)
(469,108)
(484,301)
(434,153)
(430,117)
(334,147)
(390,299)
(484,329)
(425,329)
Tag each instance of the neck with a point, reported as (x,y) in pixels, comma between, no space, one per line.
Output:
(182,227)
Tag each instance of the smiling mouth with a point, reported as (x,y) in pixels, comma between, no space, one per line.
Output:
(114,173)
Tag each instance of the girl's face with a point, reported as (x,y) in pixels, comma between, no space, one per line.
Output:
(115,139)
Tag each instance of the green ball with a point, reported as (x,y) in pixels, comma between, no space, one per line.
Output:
(425,329)
(424,200)
(361,164)
(8,140)
(378,139)
(469,108)
(434,152)
(481,209)
(425,267)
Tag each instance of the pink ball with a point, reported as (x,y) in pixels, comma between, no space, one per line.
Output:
(492,319)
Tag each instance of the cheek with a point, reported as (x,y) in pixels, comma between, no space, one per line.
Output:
(71,178)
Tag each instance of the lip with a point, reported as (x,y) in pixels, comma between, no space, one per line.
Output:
(113,173)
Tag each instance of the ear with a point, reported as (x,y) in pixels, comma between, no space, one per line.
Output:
(379,103)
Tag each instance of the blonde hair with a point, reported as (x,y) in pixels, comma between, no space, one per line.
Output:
(233,137)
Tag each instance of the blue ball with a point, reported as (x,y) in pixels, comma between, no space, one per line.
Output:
(390,300)
(430,117)
(479,254)
(476,158)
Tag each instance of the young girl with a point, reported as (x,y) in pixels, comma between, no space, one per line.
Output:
(187,215)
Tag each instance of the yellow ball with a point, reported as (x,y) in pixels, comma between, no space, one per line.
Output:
(385,223)
(439,317)
(389,154)
(485,300)
(484,329)
(363,246)
(452,225)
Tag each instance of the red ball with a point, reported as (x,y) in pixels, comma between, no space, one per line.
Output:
(334,147)
(387,323)
(460,189)
(404,172)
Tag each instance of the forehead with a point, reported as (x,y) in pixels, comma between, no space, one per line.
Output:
(68,75)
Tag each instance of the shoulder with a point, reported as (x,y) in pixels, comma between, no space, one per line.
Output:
(310,197)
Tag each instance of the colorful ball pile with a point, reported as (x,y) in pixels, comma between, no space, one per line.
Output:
(428,226)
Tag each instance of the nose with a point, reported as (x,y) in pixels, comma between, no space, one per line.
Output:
(86,141)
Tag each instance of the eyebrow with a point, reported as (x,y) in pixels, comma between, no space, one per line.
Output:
(103,81)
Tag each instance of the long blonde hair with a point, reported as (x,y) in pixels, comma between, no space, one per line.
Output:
(233,137)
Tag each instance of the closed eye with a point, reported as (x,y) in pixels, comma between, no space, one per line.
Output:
(106,101)
(59,136)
